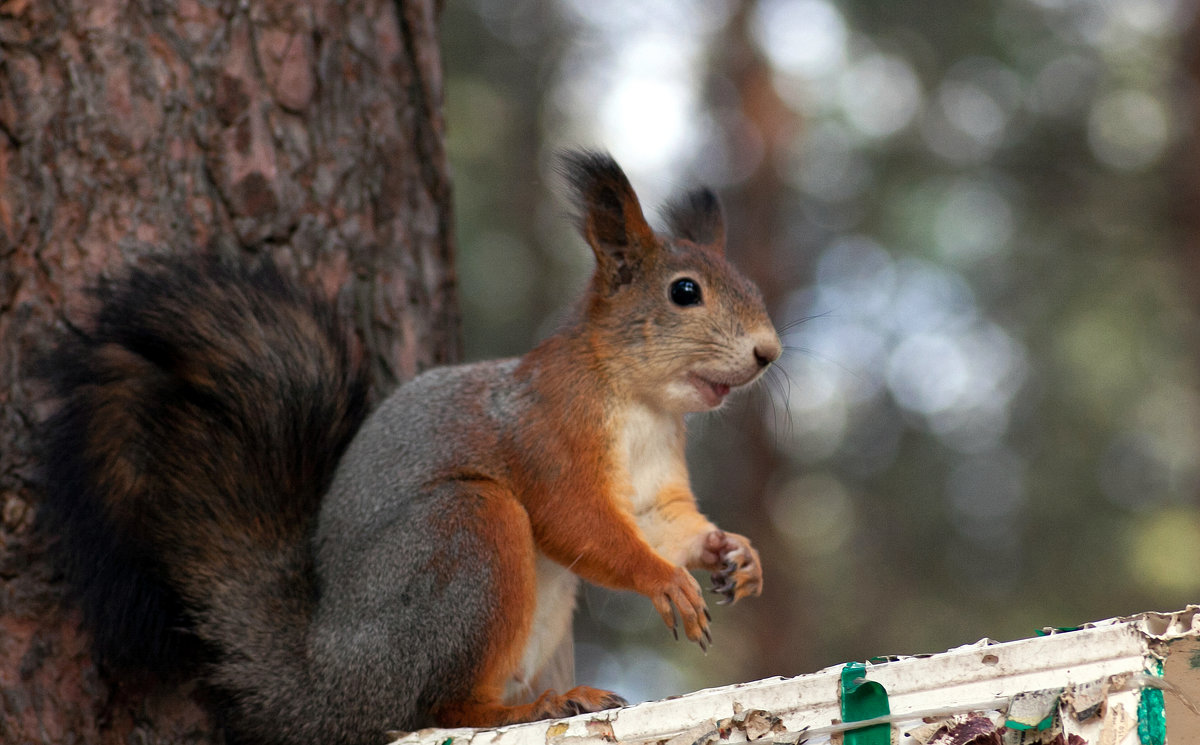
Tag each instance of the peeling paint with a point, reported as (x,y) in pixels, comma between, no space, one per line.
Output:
(1076,687)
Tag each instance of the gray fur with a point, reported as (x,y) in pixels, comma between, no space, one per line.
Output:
(216,493)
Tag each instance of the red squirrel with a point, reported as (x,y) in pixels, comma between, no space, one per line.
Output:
(223,504)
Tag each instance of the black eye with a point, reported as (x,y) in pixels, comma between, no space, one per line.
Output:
(685,291)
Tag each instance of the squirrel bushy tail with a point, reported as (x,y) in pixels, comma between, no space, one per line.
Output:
(201,416)
(216,489)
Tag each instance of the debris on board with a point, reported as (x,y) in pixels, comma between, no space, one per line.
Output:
(960,729)
(1033,710)
(1123,681)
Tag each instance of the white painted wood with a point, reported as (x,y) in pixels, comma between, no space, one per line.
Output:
(1110,661)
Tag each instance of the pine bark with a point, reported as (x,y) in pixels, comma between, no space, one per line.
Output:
(310,132)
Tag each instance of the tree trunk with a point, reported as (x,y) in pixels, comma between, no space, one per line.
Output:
(308,132)
(741,82)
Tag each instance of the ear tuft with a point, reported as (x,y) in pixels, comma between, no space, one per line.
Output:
(610,216)
(696,216)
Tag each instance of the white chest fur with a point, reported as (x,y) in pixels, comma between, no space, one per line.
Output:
(652,445)
(549,657)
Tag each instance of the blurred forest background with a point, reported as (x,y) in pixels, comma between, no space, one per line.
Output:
(976,225)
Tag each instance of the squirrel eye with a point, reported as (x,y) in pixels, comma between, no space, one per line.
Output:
(685,291)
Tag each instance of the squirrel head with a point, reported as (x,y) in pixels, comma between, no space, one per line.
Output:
(667,314)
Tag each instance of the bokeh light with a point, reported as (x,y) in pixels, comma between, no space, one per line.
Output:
(970,223)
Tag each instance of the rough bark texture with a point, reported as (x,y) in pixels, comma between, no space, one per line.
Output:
(309,132)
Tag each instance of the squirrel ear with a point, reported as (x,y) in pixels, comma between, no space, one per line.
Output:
(697,217)
(610,216)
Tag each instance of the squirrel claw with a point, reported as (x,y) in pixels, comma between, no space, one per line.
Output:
(736,572)
(573,708)
(613,701)
(722,585)
(726,587)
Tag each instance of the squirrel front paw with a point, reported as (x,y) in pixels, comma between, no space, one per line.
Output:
(682,593)
(736,569)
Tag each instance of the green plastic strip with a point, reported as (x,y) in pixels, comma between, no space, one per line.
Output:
(1152,714)
(864,699)
(1055,629)
(1040,726)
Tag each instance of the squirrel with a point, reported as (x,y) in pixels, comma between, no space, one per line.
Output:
(222,502)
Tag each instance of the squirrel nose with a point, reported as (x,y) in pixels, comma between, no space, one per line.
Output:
(767,351)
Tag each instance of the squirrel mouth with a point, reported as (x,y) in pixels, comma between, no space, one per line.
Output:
(711,392)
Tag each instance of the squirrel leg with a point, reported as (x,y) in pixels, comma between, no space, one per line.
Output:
(508,531)
(685,537)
